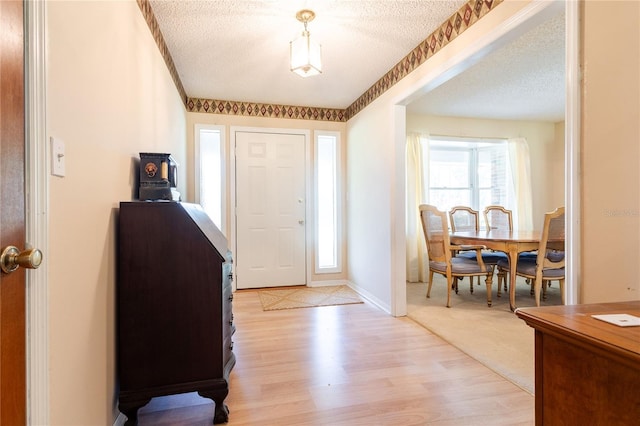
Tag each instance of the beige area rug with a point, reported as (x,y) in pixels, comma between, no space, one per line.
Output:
(307,297)
(494,335)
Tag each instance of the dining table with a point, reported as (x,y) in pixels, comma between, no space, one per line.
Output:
(512,243)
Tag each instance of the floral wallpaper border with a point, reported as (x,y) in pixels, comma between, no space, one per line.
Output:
(460,21)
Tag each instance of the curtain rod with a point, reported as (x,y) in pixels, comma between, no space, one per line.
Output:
(469,138)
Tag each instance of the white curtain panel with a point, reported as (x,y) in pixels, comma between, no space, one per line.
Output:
(417,259)
(521,174)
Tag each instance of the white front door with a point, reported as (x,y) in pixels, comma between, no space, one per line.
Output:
(270,210)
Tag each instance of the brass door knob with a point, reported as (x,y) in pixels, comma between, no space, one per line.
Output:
(11,258)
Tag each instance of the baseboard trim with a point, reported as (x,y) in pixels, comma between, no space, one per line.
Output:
(370,297)
(328,283)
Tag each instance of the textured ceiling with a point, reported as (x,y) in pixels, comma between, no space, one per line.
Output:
(524,80)
(239,51)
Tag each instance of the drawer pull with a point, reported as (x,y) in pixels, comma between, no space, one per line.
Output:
(231,276)
(231,346)
(231,296)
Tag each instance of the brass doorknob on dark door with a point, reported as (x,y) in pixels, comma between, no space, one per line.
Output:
(11,258)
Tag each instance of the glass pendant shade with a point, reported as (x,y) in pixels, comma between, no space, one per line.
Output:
(305,56)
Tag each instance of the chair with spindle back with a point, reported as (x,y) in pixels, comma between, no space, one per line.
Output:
(497,217)
(463,218)
(442,257)
(549,263)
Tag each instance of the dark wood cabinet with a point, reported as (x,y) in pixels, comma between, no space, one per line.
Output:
(587,370)
(174,306)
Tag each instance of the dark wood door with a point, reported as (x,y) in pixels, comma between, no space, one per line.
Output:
(12,214)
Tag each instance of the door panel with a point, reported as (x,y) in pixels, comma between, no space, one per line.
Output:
(270,210)
(12,228)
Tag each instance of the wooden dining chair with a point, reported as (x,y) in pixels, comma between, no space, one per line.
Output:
(549,263)
(463,218)
(498,217)
(441,257)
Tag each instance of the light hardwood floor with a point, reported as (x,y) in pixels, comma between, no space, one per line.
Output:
(347,365)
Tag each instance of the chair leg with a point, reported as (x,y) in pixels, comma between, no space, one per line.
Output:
(471,284)
(502,278)
(430,284)
(449,284)
(562,289)
(537,284)
(489,282)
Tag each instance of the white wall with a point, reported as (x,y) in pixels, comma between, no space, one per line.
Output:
(611,151)
(370,180)
(109,97)
(556,159)
(546,150)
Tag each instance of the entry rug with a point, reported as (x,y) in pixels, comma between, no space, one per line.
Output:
(307,297)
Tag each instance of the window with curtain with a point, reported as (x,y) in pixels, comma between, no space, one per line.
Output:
(469,172)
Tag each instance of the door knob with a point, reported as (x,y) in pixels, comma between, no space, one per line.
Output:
(11,258)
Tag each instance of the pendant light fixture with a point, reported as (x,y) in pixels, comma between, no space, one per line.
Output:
(305,57)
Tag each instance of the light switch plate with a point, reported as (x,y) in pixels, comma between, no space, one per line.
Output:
(57,157)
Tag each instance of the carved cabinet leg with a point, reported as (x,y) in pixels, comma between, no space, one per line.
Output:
(130,409)
(221,412)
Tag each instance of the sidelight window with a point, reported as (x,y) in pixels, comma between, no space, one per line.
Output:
(210,172)
(327,202)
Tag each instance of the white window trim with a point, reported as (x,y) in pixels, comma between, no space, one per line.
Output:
(474,185)
(339,240)
(223,168)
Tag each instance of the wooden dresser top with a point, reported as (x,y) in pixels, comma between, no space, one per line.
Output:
(575,322)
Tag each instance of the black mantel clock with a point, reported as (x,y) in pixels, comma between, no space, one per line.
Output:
(158,177)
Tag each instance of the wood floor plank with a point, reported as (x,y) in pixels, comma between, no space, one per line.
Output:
(347,365)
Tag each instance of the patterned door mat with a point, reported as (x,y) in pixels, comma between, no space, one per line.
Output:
(307,297)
